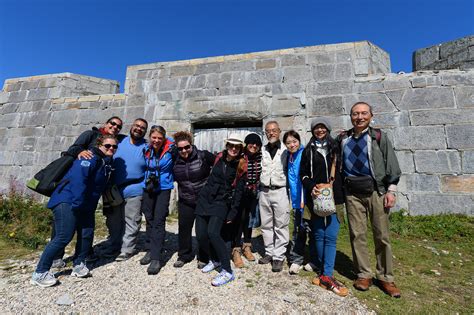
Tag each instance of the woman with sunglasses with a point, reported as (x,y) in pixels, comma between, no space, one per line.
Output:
(191,170)
(217,205)
(73,204)
(157,186)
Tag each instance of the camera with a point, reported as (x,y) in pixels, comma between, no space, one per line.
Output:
(151,183)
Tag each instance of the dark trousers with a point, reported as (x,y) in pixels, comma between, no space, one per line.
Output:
(211,243)
(155,208)
(185,227)
(66,222)
(241,222)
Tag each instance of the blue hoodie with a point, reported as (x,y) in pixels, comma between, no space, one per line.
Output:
(164,167)
(84,183)
(294,181)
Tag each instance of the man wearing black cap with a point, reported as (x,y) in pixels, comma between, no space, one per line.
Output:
(273,201)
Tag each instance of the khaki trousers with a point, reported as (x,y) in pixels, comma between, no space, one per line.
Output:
(359,208)
(275,216)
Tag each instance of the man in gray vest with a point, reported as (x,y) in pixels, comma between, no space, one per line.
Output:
(371,174)
(273,200)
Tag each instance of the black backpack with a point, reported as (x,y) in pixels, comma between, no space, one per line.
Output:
(45,181)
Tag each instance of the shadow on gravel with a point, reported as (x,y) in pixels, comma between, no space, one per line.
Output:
(344,266)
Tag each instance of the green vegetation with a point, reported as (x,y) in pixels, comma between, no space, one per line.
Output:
(432,261)
(24,220)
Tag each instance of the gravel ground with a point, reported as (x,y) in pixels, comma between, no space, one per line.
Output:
(125,287)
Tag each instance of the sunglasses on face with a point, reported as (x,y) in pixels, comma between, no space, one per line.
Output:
(233,146)
(114,124)
(185,148)
(113,146)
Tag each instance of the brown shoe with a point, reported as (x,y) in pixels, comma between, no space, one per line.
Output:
(247,251)
(316,280)
(237,257)
(362,284)
(389,288)
(331,284)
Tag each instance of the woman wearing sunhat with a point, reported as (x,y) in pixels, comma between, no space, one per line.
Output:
(218,205)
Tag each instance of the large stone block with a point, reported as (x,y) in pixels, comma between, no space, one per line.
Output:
(467,161)
(225,108)
(343,71)
(457,77)
(391,120)
(330,88)
(457,184)
(167,111)
(182,70)
(34,119)
(293,60)
(64,117)
(244,65)
(406,161)
(296,74)
(442,116)
(361,67)
(167,84)
(429,97)
(424,58)
(29,85)
(464,96)
(265,64)
(321,57)
(379,101)
(449,48)
(17,96)
(285,105)
(9,120)
(206,68)
(264,77)
(429,204)
(288,88)
(438,162)
(419,183)
(423,137)
(322,106)
(460,136)
(324,72)
(197,82)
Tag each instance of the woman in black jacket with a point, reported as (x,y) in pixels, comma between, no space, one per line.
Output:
(191,170)
(315,169)
(217,205)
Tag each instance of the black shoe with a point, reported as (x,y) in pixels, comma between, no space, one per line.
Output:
(265,260)
(179,263)
(277,265)
(154,267)
(125,256)
(145,260)
(201,264)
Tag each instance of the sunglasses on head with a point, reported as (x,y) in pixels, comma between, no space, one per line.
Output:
(114,124)
(186,147)
(113,146)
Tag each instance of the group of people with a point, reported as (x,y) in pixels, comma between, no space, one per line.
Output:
(227,195)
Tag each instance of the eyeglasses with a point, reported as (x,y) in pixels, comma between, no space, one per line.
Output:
(185,148)
(114,124)
(113,146)
(139,127)
(233,146)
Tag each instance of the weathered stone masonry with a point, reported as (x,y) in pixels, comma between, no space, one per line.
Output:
(429,115)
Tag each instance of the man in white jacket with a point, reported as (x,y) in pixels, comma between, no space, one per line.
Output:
(273,200)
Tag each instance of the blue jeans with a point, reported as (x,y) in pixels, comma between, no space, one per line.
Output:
(66,222)
(325,233)
(301,229)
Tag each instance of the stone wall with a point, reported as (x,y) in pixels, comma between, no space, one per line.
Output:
(428,115)
(456,54)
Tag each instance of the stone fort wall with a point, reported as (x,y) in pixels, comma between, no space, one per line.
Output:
(429,115)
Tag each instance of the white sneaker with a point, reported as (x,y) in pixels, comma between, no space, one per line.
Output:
(80,271)
(44,280)
(295,269)
(310,267)
(58,263)
(210,266)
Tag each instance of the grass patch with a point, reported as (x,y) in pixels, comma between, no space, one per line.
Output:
(432,264)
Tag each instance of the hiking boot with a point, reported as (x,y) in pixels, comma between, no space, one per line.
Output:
(201,264)
(295,269)
(362,284)
(154,267)
(179,263)
(389,288)
(211,265)
(145,260)
(58,263)
(125,256)
(265,260)
(237,257)
(247,251)
(222,278)
(80,271)
(44,280)
(331,284)
(277,265)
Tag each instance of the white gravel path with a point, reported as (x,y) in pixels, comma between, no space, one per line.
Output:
(125,287)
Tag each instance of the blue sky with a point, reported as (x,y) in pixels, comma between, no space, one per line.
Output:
(101,37)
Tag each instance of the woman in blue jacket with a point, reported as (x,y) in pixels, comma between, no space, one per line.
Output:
(157,187)
(293,144)
(73,204)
